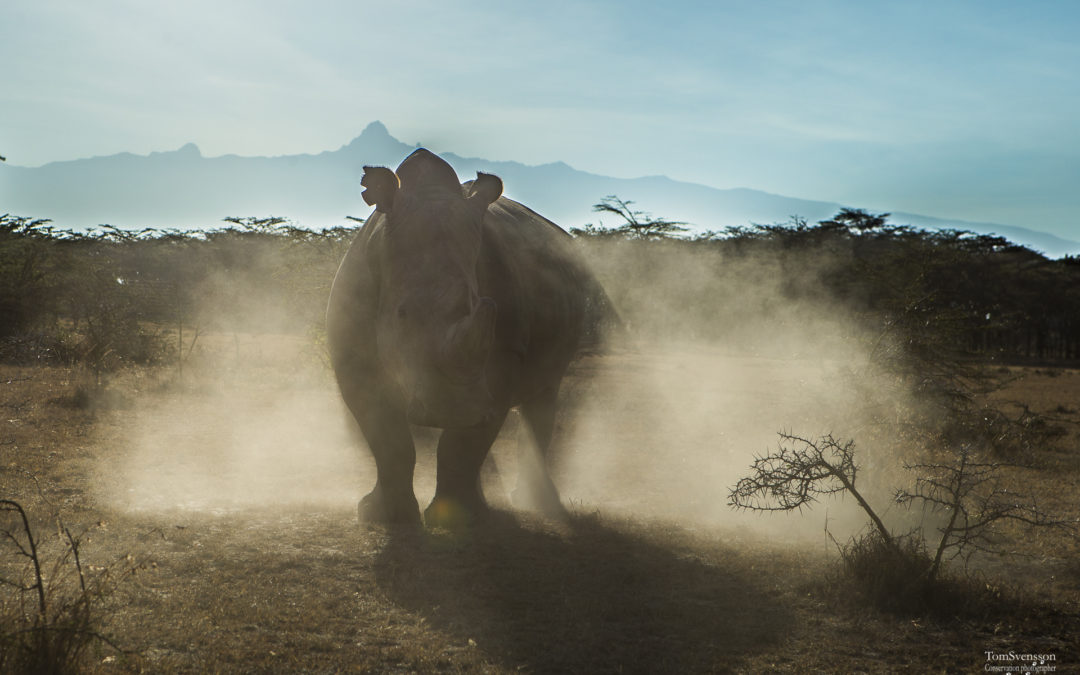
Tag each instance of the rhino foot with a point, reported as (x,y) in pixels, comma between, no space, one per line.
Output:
(453,514)
(376,508)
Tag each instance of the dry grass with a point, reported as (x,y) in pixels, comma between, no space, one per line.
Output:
(298,586)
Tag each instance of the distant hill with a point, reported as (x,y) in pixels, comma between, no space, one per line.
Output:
(182,189)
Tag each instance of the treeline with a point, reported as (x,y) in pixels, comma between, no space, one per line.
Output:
(990,295)
(952,291)
(108,297)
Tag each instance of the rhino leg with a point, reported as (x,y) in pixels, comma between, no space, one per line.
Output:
(459,500)
(386,430)
(535,490)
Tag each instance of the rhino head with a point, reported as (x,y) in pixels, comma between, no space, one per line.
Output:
(433,329)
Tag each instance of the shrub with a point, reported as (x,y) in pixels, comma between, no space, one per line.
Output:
(895,571)
(52,614)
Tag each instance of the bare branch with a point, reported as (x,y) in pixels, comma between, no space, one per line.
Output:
(798,473)
(9,505)
(969,490)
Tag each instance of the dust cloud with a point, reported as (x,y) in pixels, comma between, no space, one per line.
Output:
(719,359)
(725,352)
(233,437)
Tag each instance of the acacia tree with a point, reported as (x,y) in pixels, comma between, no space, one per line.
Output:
(636,224)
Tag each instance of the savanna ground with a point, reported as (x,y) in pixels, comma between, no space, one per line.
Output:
(221,502)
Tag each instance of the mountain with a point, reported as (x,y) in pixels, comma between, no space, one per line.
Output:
(183,189)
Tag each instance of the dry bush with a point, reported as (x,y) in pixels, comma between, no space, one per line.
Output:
(974,501)
(895,576)
(891,574)
(51,612)
(898,572)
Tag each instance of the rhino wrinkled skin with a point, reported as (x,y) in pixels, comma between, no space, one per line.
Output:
(452,305)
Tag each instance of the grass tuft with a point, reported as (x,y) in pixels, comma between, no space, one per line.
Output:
(894,577)
(51,613)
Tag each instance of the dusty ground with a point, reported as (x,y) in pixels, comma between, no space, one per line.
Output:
(232,494)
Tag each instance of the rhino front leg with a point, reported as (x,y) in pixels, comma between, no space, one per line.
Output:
(386,430)
(459,501)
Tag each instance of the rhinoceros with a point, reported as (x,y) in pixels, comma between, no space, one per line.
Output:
(452,305)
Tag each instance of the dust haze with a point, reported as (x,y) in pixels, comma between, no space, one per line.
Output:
(718,357)
(724,352)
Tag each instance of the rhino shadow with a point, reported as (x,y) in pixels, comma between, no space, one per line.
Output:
(594,599)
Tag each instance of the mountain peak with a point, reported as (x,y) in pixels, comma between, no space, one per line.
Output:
(375,145)
(375,130)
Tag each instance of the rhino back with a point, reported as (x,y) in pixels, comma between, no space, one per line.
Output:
(542,286)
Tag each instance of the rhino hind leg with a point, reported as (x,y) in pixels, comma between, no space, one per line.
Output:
(459,501)
(535,490)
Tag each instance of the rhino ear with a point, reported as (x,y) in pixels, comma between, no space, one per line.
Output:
(486,188)
(382,184)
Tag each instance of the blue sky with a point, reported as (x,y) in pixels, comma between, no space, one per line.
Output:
(956,109)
